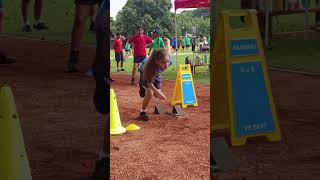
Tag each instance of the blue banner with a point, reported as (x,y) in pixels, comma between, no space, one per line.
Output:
(251,102)
(186,76)
(188,93)
(244,47)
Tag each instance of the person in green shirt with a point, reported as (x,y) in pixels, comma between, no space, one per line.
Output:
(187,42)
(127,48)
(157,42)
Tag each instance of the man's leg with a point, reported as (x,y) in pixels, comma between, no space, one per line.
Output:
(24,12)
(148,96)
(122,65)
(92,17)
(37,9)
(134,72)
(82,12)
(121,59)
(37,16)
(3,58)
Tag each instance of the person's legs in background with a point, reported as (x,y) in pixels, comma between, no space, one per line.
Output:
(3,58)
(92,18)
(39,24)
(83,9)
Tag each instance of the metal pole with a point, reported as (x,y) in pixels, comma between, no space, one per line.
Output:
(306,19)
(266,31)
(175,25)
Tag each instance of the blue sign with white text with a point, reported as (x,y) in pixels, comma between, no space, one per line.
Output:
(252,107)
(188,93)
(244,47)
(186,76)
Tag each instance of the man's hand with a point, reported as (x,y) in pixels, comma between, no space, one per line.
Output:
(159,95)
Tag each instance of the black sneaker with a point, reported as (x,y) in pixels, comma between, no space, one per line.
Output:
(71,68)
(6,60)
(143,116)
(142,91)
(122,69)
(101,170)
(40,26)
(26,28)
(72,62)
(118,70)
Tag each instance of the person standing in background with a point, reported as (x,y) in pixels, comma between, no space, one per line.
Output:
(38,24)
(3,58)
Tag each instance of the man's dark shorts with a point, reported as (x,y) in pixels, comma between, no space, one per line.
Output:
(119,56)
(138,59)
(156,83)
(143,84)
(85,2)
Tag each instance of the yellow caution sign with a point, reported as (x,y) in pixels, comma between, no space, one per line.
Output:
(184,92)
(115,122)
(241,97)
(14,163)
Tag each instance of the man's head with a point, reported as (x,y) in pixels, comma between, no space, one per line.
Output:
(118,35)
(155,33)
(139,30)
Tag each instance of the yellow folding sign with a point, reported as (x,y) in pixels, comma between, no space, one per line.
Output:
(241,97)
(184,91)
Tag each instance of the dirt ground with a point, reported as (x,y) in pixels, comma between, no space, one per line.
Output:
(63,132)
(166,147)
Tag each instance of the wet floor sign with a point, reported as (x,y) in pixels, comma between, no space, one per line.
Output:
(184,91)
(241,97)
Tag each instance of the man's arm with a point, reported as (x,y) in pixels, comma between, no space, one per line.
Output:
(157,93)
(150,49)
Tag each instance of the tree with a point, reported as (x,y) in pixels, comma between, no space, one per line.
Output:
(113,28)
(151,14)
(202,13)
(195,22)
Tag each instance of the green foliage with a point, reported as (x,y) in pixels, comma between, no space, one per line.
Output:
(155,14)
(151,14)
(113,27)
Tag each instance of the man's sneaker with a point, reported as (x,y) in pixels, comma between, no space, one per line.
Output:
(40,26)
(26,28)
(122,69)
(72,62)
(6,60)
(71,68)
(118,70)
(142,91)
(143,116)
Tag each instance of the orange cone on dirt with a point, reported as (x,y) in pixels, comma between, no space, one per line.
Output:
(115,122)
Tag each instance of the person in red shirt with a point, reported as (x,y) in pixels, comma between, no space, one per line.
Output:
(139,43)
(117,46)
